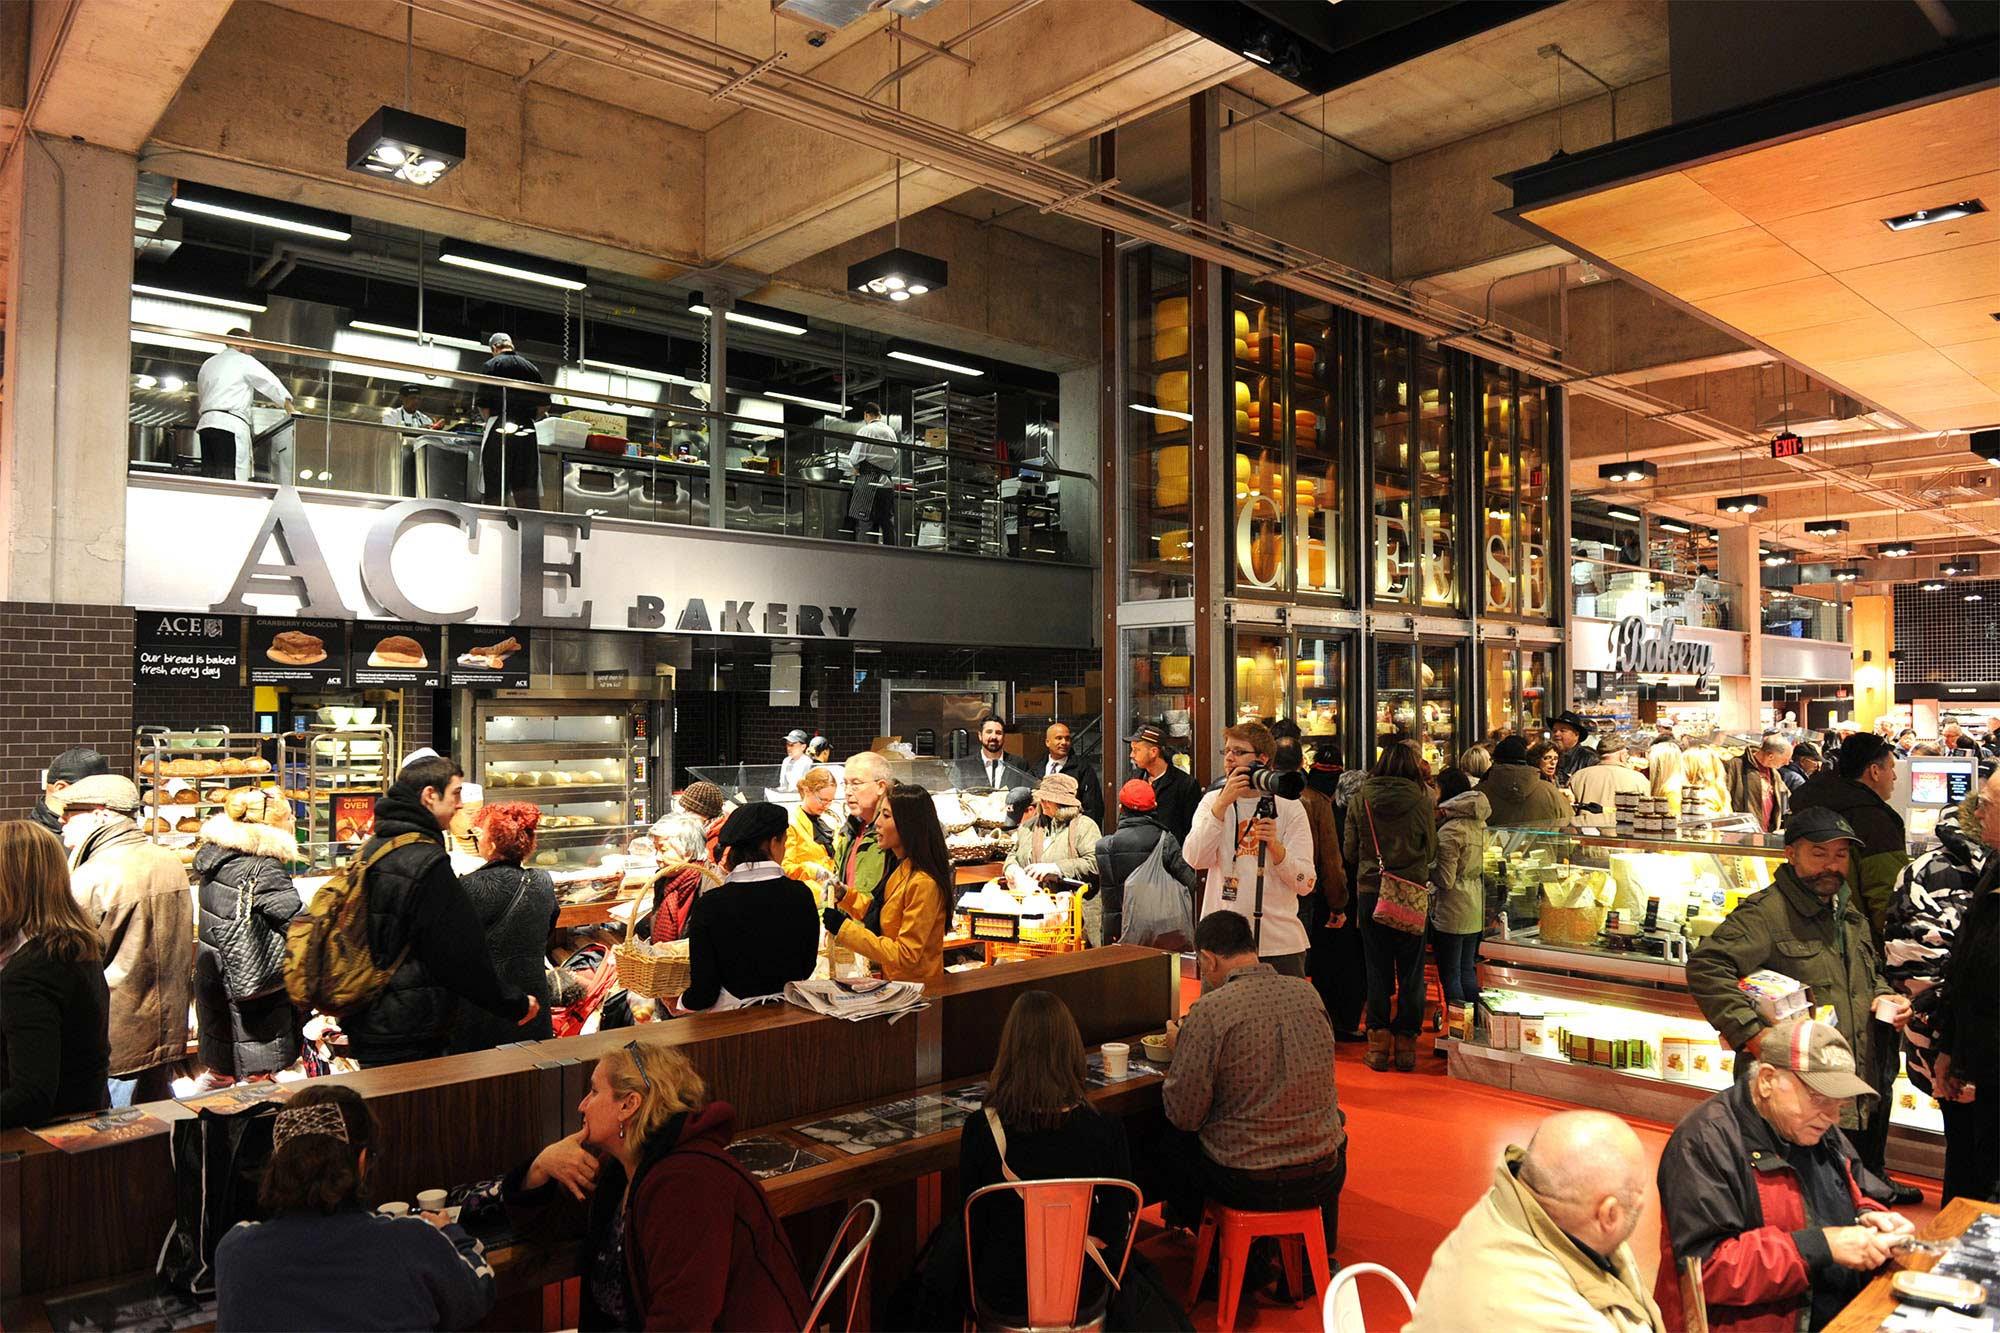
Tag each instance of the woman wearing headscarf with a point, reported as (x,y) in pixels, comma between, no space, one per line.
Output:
(756,930)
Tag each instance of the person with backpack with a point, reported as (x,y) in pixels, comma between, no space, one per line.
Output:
(1141,837)
(248,1027)
(516,906)
(424,942)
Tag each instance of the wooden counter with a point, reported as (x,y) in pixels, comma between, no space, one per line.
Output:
(1865,1313)
(74,1218)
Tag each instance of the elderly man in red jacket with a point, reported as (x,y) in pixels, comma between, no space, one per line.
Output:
(1758,1184)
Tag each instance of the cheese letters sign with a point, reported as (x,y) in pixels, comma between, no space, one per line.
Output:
(1660,654)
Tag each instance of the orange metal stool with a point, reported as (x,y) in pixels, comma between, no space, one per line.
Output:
(1300,1226)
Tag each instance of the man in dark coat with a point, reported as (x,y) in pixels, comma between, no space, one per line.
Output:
(508,458)
(1857,787)
(419,913)
(1568,733)
(70,766)
(1126,848)
(1175,790)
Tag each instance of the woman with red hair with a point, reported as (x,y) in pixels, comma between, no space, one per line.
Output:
(516,906)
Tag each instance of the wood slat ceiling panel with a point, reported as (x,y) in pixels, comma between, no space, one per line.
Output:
(1729,261)
(1953,322)
(1872,334)
(1981,358)
(1644,215)
(1802,304)
(1927,280)
(1852,235)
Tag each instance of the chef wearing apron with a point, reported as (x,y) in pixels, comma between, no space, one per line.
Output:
(227,389)
(873,461)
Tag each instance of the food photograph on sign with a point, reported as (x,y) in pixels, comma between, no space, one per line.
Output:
(282,651)
(392,652)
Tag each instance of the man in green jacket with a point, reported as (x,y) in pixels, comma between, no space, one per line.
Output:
(1807,927)
(1857,786)
(860,864)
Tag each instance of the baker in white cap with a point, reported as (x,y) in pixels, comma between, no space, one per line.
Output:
(798,760)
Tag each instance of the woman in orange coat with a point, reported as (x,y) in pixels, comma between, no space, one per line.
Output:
(916,900)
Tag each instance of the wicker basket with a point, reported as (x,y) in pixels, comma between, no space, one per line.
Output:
(654,976)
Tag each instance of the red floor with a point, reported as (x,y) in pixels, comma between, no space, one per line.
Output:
(1422,1148)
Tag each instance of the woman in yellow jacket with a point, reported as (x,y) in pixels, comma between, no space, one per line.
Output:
(808,843)
(916,900)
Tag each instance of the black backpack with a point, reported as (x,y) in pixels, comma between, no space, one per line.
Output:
(218,1163)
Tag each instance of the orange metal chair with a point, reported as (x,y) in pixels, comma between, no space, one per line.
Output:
(1299,1226)
(1056,1218)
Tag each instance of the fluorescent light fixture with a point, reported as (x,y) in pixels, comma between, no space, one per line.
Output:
(754,316)
(1668,525)
(1895,550)
(1743,504)
(441,339)
(1933,586)
(1623,515)
(144,382)
(507,264)
(659,376)
(1975,597)
(413,354)
(197,298)
(189,318)
(173,384)
(918,359)
(1923,217)
(190,197)
(600,381)
(402,145)
(1162,412)
(898,274)
(1827,527)
(1847,575)
(1628,473)
(838,409)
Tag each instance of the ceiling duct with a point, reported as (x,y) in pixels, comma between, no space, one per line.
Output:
(840,13)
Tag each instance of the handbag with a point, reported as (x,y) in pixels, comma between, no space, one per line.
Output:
(1402,904)
(252,954)
(218,1160)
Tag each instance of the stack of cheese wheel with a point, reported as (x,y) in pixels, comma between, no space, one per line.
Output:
(1170,394)
(1242,408)
(1242,334)
(1305,425)
(1170,328)
(1171,482)
(1177,545)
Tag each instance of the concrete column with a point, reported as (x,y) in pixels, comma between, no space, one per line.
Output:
(68,374)
(1743,696)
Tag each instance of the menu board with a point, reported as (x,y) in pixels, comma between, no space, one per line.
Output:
(173,645)
(395,652)
(492,656)
(297,652)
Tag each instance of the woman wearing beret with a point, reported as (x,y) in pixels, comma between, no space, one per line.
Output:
(756,930)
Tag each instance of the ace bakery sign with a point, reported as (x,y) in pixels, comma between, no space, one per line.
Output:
(248,549)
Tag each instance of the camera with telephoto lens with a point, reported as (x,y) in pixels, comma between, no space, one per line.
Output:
(1287,783)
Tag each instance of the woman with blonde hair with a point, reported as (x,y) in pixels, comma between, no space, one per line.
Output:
(55,1012)
(1705,787)
(808,841)
(248,1026)
(1666,767)
(680,1234)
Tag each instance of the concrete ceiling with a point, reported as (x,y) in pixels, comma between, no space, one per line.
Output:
(739,26)
(1483,83)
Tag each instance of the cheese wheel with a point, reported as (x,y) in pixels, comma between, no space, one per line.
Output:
(1242,350)
(1172,461)
(1170,390)
(1242,324)
(1176,545)
(1171,313)
(1242,395)
(1170,491)
(1170,343)
(1242,468)
(1242,423)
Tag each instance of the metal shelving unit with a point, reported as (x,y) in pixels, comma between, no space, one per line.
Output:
(324,763)
(962,496)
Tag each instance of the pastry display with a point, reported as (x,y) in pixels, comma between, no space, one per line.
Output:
(398,650)
(188,825)
(296,648)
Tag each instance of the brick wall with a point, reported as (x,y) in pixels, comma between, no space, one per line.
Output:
(65,680)
(185,705)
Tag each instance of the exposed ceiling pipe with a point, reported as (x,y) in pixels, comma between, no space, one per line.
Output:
(35,94)
(946,48)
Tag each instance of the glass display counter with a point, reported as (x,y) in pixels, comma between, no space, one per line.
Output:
(1583,978)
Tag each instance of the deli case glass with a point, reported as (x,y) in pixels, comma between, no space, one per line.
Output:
(587,763)
(1583,981)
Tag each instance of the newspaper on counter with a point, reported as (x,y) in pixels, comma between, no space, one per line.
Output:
(855,1002)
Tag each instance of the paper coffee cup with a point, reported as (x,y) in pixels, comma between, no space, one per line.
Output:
(432,1201)
(396,1209)
(1886,1008)
(1117,1058)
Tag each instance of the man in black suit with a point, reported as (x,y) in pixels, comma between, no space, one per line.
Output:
(1175,791)
(1089,791)
(991,768)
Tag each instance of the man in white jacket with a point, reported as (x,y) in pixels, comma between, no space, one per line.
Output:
(227,389)
(1546,1249)
(1224,842)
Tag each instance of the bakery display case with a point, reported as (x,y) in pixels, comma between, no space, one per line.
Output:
(584,763)
(333,774)
(184,777)
(1583,977)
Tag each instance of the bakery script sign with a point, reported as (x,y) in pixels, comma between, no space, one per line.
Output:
(1638,648)
(285,558)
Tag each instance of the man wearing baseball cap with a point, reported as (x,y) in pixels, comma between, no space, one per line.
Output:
(1807,926)
(1761,1186)
(1122,851)
(1176,793)
(72,765)
(797,761)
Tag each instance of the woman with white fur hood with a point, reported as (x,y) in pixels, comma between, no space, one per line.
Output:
(248,1026)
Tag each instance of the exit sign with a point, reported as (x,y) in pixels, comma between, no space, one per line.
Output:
(1787,445)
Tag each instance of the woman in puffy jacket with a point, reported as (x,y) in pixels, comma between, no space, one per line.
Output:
(1391,826)
(244,866)
(1059,834)
(1458,912)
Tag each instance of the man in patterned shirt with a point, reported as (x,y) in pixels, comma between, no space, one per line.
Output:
(1251,1088)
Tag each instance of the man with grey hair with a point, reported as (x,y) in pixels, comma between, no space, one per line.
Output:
(1547,1247)
(861,864)
(508,458)
(1596,788)
(1755,789)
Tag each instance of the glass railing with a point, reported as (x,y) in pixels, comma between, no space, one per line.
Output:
(609,441)
(1610,591)
(1797,616)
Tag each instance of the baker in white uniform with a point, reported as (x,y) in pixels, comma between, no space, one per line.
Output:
(228,387)
(873,460)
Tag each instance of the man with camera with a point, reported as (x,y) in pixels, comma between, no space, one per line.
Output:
(1252,839)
